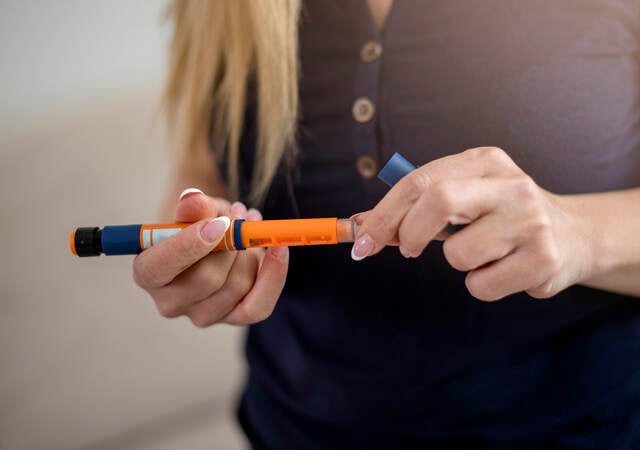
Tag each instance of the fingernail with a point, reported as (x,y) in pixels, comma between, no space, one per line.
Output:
(190,191)
(362,247)
(406,253)
(238,210)
(213,231)
(253,214)
(355,217)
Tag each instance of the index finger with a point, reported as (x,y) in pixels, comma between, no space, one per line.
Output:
(381,224)
(159,265)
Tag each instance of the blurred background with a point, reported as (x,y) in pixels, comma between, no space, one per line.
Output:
(86,362)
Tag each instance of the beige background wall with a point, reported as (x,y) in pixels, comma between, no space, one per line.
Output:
(85,360)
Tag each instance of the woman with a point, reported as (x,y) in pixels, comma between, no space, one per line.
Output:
(408,345)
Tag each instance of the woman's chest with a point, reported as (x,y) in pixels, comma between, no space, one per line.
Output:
(553,82)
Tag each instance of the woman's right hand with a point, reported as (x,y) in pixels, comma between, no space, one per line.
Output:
(184,278)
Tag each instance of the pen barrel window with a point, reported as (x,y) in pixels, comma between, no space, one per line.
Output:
(293,232)
(152,234)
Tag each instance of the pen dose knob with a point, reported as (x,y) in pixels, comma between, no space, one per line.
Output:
(86,241)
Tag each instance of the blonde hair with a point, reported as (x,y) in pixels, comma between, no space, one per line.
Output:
(218,47)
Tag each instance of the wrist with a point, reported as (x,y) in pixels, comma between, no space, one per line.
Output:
(592,227)
(584,235)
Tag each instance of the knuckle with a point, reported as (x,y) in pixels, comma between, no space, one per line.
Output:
(215,279)
(240,285)
(541,227)
(492,156)
(221,206)
(380,224)
(481,152)
(525,188)
(414,185)
(447,197)
(495,155)
(475,153)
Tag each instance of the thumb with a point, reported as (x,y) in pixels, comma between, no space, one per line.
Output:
(194,205)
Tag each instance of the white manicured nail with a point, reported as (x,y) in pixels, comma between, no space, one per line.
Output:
(190,191)
(215,229)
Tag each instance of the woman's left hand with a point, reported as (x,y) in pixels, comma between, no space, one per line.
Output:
(519,237)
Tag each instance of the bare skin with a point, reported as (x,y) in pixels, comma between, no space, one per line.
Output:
(184,278)
(380,11)
(519,237)
(181,274)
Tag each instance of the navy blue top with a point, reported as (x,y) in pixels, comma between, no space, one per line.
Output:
(395,353)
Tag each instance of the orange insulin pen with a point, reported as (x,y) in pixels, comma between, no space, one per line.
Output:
(132,239)
(241,234)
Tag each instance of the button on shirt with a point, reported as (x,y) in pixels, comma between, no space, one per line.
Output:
(371,51)
(367,167)
(394,353)
(363,110)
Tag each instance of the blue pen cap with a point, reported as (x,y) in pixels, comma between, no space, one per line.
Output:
(396,168)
